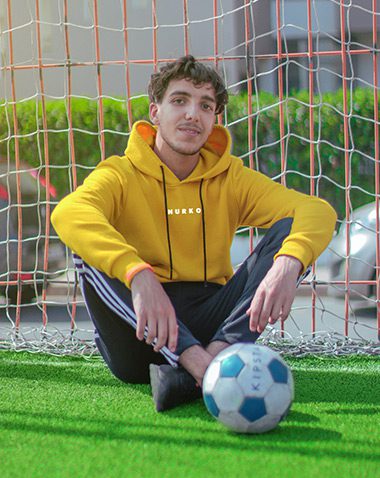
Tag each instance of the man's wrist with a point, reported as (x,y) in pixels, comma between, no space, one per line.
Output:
(293,262)
(132,273)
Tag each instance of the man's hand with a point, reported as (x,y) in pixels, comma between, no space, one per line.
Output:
(275,294)
(154,310)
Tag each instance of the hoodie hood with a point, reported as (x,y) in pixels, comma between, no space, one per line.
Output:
(214,156)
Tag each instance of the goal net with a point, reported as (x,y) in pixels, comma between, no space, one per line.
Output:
(303,81)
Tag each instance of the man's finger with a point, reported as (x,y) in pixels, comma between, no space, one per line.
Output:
(286,309)
(255,310)
(162,335)
(173,334)
(141,323)
(264,315)
(152,331)
(276,312)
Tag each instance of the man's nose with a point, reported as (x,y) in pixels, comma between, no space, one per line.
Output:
(192,112)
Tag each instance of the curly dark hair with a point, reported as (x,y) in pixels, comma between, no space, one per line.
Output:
(187,67)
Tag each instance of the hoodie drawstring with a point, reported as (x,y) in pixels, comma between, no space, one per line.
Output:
(167,223)
(203,235)
(168,230)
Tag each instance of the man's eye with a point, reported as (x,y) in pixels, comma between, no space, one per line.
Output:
(206,107)
(178,101)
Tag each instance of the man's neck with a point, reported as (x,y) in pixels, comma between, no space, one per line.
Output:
(181,165)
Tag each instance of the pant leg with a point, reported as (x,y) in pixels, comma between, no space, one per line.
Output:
(126,357)
(109,304)
(235,327)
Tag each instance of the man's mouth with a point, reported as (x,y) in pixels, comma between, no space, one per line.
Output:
(190,130)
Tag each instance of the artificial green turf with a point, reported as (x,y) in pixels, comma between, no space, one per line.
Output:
(67,417)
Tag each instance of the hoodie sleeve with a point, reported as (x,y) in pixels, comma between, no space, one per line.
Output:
(262,202)
(83,221)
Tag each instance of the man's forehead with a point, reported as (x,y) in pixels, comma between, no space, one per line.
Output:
(189,87)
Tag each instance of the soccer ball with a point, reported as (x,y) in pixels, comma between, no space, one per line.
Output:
(249,388)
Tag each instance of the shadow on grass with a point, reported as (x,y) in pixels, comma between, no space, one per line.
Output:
(300,417)
(197,409)
(161,434)
(286,439)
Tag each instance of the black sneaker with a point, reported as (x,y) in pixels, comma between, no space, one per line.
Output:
(172,386)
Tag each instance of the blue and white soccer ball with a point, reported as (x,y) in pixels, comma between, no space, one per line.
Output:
(249,388)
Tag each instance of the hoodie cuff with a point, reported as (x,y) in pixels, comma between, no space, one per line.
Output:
(303,256)
(135,270)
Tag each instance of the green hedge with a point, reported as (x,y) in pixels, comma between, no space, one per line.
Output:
(329,170)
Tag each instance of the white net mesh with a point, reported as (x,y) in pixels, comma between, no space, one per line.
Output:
(303,78)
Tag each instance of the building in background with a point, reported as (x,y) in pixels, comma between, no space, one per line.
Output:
(135,34)
(142,36)
(326,27)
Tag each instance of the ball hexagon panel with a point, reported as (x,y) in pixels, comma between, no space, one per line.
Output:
(278,399)
(253,409)
(279,371)
(245,352)
(232,349)
(228,395)
(264,424)
(211,405)
(231,366)
(255,380)
(211,377)
(234,421)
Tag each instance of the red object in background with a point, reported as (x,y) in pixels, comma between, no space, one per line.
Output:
(38,177)
(42,181)
(4,193)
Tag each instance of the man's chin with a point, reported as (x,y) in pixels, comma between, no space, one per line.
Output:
(189,151)
(185,148)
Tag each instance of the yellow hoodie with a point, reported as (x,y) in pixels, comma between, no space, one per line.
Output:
(132,211)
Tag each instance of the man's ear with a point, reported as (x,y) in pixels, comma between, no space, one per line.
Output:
(153,113)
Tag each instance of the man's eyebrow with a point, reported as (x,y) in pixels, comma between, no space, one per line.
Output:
(185,93)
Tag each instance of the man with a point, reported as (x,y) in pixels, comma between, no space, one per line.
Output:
(152,230)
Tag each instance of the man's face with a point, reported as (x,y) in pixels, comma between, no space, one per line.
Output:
(185,117)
